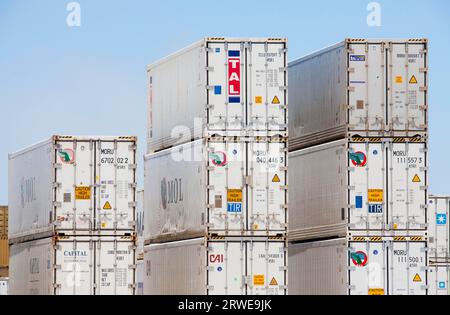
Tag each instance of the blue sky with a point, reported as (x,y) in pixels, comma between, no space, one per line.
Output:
(92,80)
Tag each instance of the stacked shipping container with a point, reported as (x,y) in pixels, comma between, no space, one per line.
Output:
(358,156)
(216,169)
(72,216)
(439,244)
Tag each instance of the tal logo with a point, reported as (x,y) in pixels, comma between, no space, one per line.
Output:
(234,76)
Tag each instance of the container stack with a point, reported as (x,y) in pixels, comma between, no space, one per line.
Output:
(72,217)
(439,244)
(216,170)
(358,161)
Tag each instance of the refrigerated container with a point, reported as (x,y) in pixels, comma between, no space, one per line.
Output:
(363,185)
(439,279)
(3,221)
(371,87)
(359,266)
(82,265)
(4,282)
(218,86)
(217,186)
(73,185)
(222,266)
(438,226)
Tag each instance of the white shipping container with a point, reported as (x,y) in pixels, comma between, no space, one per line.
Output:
(439,279)
(234,266)
(363,185)
(4,282)
(223,186)
(140,224)
(363,267)
(73,185)
(438,226)
(373,87)
(73,266)
(215,86)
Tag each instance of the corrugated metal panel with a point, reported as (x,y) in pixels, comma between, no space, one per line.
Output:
(3,221)
(4,253)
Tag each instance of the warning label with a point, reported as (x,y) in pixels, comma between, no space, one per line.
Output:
(107,206)
(413,80)
(376,291)
(82,193)
(399,79)
(234,195)
(276,179)
(258,280)
(258,100)
(417,278)
(416,179)
(276,100)
(375,195)
(273,281)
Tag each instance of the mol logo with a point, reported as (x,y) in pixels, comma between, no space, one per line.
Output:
(234,76)
(67,156)
(218,158)
(171,192)
(359,159)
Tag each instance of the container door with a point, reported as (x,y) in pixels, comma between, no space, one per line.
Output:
(367,186)
(114,275)
(227,164)
(115,179)
(407,80)
(438,280)
(226,86)
(267,196)
(367,271)
(226,268)
(438,227)
(367,92)
(74,268)
(75,178)
(407,268)
(407,182)
(266,268)
(266,81)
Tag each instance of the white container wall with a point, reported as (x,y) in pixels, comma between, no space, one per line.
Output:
(4,283)
(73,185)
(219,186)
(234,266)
(140,270)
(371,87)
(73,266)
(438,227)
(140,224)
(363,267)
(363,185)
(217,85)
(439,280)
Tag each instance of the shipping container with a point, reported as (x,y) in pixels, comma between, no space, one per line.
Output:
(4,252)
(439,279)
(217,86)
(140,224)
(358,267)
(364,185)
(3,221)
(438,226)
(140,270)
(73,185)
(4,286)
(223,266)
(371,87)
(82,265)
(219,186)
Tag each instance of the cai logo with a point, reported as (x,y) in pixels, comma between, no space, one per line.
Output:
(359,159)
(66,156)
(219,158)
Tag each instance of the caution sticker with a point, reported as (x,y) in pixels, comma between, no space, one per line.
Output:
(82,193)
(276,179)
(276,101)
(258,280)
(376,291)
(399,79)
(107,206)
(417,278)
(234,195)
(413,80)
(375,195)
(416,179)
(273,281)
(258,100)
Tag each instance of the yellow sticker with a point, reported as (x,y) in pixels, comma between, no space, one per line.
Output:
(255,226)
(107,206)
(103,225)
(276,179)
(417,278)
(416,179)
(234,195)
(413,80)
(376,291)
(273,281)
(82,193)
(399,79)
(276,100)
(375,195)
(258,280)
(258,99)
